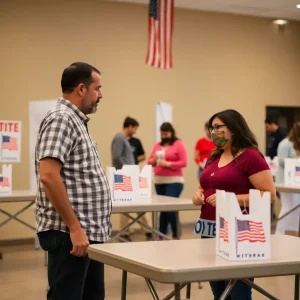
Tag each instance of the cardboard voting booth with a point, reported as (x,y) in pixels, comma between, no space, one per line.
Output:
(129,183)
(243,236)
(292,171)
(6,180)
(273,164)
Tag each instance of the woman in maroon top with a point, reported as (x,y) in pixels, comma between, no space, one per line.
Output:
(235,166)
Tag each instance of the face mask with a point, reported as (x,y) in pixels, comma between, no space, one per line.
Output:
(165,140)
(219,138)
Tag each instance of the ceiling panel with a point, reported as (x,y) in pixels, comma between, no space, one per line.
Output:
(263,8)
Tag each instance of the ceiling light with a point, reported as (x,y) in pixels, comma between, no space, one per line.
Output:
(280,22)
(298,5)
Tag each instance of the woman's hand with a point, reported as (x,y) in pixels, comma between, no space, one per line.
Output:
(164,163)
(198,198)
(212,199)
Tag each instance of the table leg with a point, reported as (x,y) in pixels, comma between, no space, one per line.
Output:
(178,225)
(1,255)
(259,289)
(154,225)
(124,285)
(152,289)
(188,291)
(228,289)
(15,216)
(296,293)
(177,291)
(118,235)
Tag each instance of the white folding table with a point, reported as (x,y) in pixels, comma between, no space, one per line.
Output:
(184,261)
(154,205)
(142,206)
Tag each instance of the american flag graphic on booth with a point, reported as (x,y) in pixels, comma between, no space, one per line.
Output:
(297,171)
(224,230)
(122,183)
(160,32)
(9,143)
(143,182)
(4,182)
(250,231)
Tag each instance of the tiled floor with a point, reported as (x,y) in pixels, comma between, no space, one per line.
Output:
(23,277)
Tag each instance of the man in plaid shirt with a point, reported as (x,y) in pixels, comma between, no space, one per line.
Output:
(73,199)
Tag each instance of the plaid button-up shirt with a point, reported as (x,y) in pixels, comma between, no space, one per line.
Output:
(63,134)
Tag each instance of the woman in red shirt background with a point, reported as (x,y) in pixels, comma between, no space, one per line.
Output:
(235,166)
(203,149)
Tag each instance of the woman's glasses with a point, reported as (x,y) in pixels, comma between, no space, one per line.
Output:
(216,128)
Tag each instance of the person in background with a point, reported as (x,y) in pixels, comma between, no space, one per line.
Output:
(203,149)
(288,148)
(121,151)
(137,150)
(139,156)
(168,157)
(235,166)
(277,134)
(122,154)
(73,203)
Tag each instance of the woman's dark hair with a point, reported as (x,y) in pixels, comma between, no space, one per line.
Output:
(242,136)
(167,127)
(206,125)
(294,136)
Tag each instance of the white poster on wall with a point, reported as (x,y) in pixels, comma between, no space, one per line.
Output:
(10,141)
(37,111)
(164,113)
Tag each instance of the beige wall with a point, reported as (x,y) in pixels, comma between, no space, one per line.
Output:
(220,61)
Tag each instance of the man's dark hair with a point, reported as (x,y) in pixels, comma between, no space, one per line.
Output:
(76,73)
(271,120)
(130,122)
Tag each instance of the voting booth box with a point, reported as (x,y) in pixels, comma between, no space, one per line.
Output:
(292,171)
(273,164)
(6,180)
(129,183)
(243,236)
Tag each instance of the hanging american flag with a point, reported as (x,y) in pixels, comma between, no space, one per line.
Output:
(250,231)
(9,143)
(224,229)
(4,181)
(160,33)
(143,182)
(123,183)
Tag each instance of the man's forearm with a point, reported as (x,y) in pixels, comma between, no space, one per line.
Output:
(56,193)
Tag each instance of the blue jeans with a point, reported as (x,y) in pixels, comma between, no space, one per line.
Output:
(240,291)
(171,190)
(70,277)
